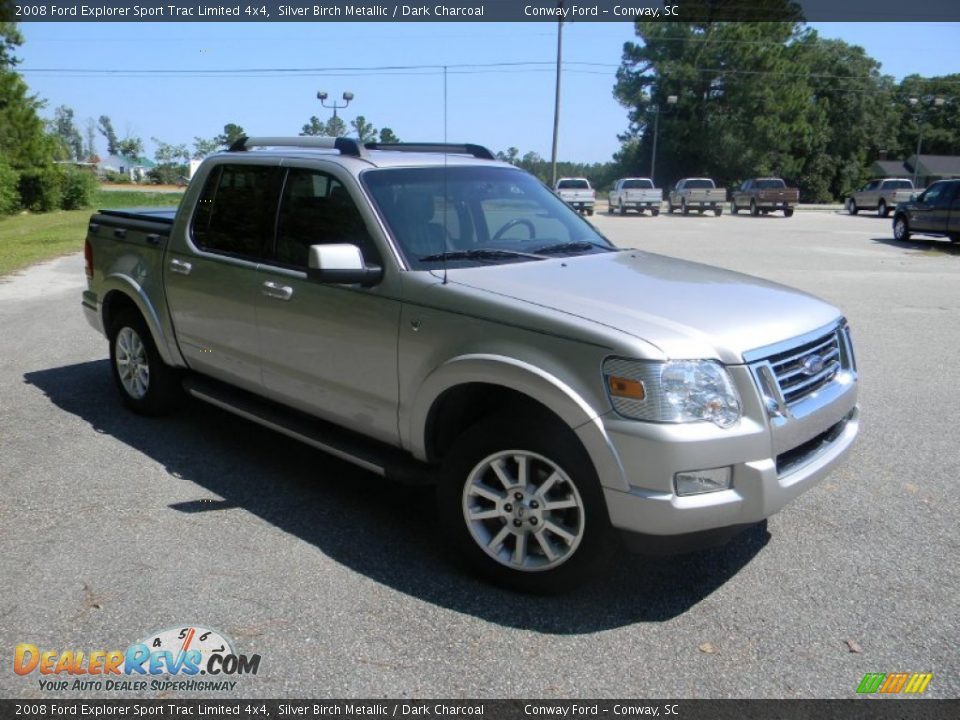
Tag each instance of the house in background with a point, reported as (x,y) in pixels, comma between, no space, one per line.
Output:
(134,168)
(929,168)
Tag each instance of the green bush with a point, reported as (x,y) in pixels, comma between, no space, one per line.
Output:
(41,189)
(9,190)
(79,187)
(116,178)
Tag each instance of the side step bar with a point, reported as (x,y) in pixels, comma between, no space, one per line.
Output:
(371,455)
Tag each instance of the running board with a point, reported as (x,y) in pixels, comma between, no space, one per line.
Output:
(371,455)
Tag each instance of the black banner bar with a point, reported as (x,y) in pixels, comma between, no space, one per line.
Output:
(877,708)
(483,10)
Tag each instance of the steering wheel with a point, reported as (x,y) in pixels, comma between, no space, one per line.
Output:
(512,224)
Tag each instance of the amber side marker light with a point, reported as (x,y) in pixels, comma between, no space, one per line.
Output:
(626,388)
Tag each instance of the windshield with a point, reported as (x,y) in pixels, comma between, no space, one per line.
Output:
(698,184)
(639,184)
(771,184)
(573,185)
(473,215)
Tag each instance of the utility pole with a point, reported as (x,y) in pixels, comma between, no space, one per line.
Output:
(556,100)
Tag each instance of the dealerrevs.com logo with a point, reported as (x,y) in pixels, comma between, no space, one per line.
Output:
(183,652)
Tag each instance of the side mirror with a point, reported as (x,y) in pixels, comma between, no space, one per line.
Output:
(341,264)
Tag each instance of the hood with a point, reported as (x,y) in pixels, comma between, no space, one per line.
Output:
(686,309)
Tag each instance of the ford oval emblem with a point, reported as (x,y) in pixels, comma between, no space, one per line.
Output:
(812,364)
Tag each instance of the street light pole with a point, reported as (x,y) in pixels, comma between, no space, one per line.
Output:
(671,100)
(920,117)
(322,97)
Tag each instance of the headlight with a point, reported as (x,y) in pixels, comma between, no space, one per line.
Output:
(677,391)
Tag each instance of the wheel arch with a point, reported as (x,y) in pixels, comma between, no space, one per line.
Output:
(465,389)
(122,292)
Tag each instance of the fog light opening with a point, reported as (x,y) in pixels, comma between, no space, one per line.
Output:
(697,482)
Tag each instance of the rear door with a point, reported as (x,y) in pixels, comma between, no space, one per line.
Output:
(330,350)
(213,286)
(934,209)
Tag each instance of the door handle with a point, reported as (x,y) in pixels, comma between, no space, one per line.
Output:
(278,291)
(180,267)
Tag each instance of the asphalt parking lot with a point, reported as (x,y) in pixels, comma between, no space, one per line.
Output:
(114,526)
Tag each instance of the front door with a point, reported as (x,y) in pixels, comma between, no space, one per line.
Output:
(330,350)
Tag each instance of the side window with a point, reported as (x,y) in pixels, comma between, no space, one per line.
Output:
(932,194)
(236,210)
(316,209)
(746,185)
(872,185)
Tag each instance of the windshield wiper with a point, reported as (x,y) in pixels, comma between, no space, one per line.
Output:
(479,254)
(572,247)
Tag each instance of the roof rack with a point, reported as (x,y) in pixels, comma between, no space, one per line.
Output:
(350,146)
(478,151)
(346,146)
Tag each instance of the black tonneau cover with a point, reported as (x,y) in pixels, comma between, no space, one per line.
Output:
(152,214)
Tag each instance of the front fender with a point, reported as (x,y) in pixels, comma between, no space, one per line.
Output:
(531,381)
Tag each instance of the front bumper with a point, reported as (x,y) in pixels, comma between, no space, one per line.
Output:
(771,463)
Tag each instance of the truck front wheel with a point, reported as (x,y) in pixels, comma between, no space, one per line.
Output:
(147,386)
(901,230)
(521,503)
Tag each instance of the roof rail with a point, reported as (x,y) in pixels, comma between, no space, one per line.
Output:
(478,151)
(350,146)
(346,146)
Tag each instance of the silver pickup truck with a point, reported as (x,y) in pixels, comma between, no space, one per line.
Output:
(430,314)
(635,194)
(700,194)
(882,195)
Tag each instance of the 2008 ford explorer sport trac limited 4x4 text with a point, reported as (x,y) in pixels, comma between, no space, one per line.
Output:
(426,312)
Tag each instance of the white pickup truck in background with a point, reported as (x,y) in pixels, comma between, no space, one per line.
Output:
(635,194)
(577,193)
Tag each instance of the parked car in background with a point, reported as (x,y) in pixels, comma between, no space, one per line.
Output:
(577,193)
(635,194)
(936,211)
(764,195)
(700,194)
(882,195)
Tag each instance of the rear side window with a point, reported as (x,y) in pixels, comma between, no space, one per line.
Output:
(236,211)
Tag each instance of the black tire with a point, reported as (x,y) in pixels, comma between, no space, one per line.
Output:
(162,389)
(654,211)
(590,211)
(852,208)
(754,212)
(733,207)
(788,212)
(545,442)
(683,207)
(718,210)
(901,228)
(623,210)
(882,209)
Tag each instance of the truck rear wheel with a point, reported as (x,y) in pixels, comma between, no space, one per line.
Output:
(788,212)
(753,208)
(683,207)
(147,386)
(623,210)
(670,208)
(882,209)
(522,505)
(733,207)
(718,210)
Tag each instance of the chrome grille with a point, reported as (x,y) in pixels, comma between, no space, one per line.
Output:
(805,369)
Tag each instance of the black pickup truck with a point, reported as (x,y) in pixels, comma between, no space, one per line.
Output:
(936,211)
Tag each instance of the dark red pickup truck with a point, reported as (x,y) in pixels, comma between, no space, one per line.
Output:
(764,195)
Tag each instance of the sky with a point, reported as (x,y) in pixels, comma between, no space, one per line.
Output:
(182,96)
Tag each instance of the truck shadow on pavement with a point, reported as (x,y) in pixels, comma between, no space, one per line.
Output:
(385,531)
(922,244)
